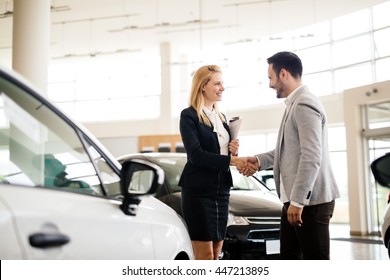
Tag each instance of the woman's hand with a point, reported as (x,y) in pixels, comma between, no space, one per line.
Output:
(251,167)
(239,162)
(233,147)
(247,166)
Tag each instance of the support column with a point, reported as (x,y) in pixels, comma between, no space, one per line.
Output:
(31,41)
(166,89)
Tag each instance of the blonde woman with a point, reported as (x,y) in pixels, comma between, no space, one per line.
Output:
(206,179)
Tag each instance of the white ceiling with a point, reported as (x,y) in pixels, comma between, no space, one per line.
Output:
(99,26)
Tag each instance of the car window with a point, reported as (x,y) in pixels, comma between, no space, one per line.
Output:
(109,178)
(39,148)
(267,176)
(241,182)
(173,167)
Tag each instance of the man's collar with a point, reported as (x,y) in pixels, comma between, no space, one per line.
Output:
(290,97)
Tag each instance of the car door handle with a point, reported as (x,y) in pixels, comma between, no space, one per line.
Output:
(46,240)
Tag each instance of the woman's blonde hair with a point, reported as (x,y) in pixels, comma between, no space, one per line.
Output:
(201,77)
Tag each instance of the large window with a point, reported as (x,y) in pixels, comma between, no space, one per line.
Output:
(338,158)
(342,53)
(107,88)
(337,54)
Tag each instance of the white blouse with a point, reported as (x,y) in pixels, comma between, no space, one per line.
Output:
(219,129)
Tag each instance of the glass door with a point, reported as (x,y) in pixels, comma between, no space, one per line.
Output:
(377,136)
(378,194)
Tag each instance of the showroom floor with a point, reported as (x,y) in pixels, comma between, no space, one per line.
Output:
(346,247)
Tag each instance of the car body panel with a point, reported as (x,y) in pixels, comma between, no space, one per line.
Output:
(81,219)
(9,246)
(248,203)
(88,221)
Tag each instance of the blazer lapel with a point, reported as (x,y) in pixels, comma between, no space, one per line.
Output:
(280,138)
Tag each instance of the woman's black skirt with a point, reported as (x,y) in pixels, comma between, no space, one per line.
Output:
(205,210)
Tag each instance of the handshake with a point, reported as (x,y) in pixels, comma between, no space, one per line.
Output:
(245,165)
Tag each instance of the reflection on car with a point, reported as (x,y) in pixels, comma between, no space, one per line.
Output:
(63,196)
(55,173)
(267,177)
(254,210)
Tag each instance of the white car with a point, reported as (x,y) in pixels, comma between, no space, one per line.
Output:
(63,196)
(381,171)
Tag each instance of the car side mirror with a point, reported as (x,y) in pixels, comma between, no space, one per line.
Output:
(138,178)
(381,170)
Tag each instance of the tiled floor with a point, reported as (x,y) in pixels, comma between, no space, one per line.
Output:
(346,247)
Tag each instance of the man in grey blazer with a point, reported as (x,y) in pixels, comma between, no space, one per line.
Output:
(303,174)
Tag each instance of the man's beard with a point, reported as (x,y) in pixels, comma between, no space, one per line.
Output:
(279,90)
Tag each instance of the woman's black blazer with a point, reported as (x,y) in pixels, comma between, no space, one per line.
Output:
(205,167)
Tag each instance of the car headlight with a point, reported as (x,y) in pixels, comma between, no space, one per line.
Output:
(234,220)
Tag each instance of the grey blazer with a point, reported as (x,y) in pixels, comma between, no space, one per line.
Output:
(301,157)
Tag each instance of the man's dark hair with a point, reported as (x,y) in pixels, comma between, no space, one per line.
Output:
(288,61)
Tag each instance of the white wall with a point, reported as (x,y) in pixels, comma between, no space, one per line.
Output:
(120,146)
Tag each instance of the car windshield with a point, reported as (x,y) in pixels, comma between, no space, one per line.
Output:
(173,167)
(40,148)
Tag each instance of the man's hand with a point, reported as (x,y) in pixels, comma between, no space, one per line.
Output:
(251,167)
(294,215)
